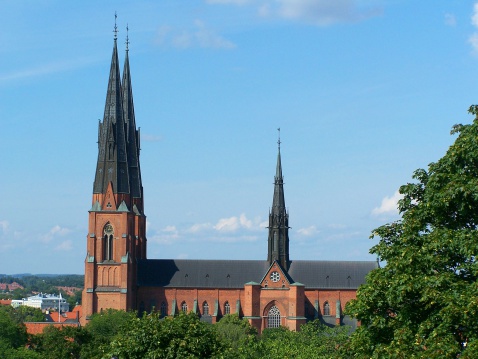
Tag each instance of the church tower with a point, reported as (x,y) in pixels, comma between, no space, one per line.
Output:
(116,237)
(278,243)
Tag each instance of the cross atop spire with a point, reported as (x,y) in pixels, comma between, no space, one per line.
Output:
(115,28)
(127,38)
(278,141)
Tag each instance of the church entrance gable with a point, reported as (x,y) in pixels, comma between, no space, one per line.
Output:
(276,278)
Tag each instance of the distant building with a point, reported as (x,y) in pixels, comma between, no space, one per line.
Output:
(55,319)
(269,293)
(44,302)
(10,286)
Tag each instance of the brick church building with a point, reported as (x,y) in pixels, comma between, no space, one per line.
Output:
(269,293)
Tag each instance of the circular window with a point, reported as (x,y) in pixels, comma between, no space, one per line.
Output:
(108,229)
(275,277)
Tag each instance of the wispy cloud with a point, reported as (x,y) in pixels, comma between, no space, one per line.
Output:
(450,20)
(65,246)
(56,231)
(4,225)
(389,205)
(233,224)
(200,35)
(46,69)
(235,2)
(228,230)
(150,138)
(316,12)
(308,231)
(473,39)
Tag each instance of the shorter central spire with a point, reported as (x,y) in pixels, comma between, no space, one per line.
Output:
(278,219)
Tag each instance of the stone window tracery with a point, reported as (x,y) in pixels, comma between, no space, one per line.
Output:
(227,308)
(108,232)
(273,317)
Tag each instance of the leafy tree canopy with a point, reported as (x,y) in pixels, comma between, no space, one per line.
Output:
(184,336)
(424,302)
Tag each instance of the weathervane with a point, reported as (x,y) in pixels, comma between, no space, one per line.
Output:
(116,27)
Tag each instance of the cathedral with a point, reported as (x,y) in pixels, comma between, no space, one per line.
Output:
(278,291)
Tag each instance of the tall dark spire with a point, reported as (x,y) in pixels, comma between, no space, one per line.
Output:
(278,220)
(132,134)
(112,165)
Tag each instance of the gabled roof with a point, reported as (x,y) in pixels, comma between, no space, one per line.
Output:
(188,273)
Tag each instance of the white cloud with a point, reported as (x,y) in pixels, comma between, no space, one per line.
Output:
(46,69)
(308,232)
(450,20)
(150,138)
(317,12)
(199,36)
(199,227)
(233,223)
(4,225)
(234,2)
(56,231)
(226,230)
(227,224)
(389,205)
(473,39)
(474,17)
(65,246)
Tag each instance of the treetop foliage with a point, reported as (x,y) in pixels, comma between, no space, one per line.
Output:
(424,302)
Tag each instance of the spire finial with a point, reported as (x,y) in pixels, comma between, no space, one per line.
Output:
(278,141)
(127,38)
(116,28)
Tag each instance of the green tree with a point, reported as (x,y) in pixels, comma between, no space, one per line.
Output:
(184,336)
(13,334)
(424,302)
(235,331)
(102,328)
(314,341)
(61,343)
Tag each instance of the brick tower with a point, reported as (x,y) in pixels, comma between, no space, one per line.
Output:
(116,237)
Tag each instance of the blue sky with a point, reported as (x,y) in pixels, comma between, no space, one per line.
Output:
(364,92)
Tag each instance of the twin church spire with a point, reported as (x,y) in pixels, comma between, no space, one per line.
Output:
(119,140)
(118,172)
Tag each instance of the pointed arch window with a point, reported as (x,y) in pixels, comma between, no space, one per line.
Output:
(227,308)
(108,232)
(164,309)
(273,317)
(326,308)
(184,307)
(205,308)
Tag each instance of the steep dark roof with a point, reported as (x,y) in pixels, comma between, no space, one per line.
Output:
(132,134)
(112,163)
(236,273)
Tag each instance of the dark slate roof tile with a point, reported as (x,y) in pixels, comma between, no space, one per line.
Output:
(197,273)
